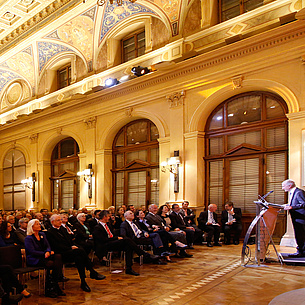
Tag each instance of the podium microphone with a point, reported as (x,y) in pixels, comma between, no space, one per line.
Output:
(267,194)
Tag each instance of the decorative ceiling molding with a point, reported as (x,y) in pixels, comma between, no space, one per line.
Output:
(35,23)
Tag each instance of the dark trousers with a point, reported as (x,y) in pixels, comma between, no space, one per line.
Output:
(81,260)
(166,239)
(299,233)
(54,263)
(190,234)
(212,231)
(127,245)
(9,279)
(229,229)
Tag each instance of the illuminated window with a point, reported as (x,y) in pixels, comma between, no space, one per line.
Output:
(133,46)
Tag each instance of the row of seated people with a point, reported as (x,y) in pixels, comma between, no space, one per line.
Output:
(57,245)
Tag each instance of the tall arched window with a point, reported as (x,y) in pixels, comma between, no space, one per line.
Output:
(65,182)
(246,145)
(13,173)
(136,164)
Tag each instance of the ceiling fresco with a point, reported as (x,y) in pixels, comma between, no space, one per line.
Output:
(75,34)
(114,14)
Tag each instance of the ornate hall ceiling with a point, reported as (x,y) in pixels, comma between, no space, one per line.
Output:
(32,32)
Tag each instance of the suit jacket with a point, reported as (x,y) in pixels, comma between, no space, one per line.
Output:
(142,226)
(177,221)
(154,220)
(203,218)
(92,222)
(298,206)
(59,240)
(20,236)
(101,239)
(80,233)
(127,231)
(237,216)
(35,250)
(189,216)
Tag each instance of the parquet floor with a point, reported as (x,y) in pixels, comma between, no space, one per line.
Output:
(212,276)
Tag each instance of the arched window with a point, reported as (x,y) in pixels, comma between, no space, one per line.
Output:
(136,164)
(65,182)
(246,145)
(13,173)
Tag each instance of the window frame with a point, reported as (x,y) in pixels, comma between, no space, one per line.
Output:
(68,80)
(136,41)
(261,152)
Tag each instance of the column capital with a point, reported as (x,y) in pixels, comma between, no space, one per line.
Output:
(90,122)
(176,99)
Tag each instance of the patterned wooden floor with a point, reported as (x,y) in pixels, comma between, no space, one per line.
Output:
(212,276)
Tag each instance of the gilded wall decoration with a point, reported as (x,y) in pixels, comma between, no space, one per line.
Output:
(79,33)
(47,50)
(171,8)
(114,14)
(23,64)
(7,76)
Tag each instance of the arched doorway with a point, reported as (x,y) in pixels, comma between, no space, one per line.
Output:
(13,172)
(64,179)
(136,164)
(247,151)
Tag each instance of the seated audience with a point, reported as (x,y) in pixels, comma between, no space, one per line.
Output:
(39,217)
(39,254)
(7,236)
(231,223)
(62,244)
(156,223)
(177,234)
(119,218)
(20,233)
(72,217)
(92,222)
(82,234)
(131,208)
(67,226)
(105,241)
(189,219)
(18,216)
(130,229)
(11,219)
(207,221)
(177,222)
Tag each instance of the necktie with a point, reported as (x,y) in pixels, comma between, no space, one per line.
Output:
(230,217)
(136,231)
(110,235)
(68,229)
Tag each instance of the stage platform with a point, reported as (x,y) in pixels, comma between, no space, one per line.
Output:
(296,261)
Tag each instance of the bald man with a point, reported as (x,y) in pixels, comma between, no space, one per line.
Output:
(207,222)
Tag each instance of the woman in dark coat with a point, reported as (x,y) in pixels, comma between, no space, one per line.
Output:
(39,253)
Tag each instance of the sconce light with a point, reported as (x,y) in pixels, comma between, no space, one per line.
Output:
(172,165)
(30,183)
(87,174)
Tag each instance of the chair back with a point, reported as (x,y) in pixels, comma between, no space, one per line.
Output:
(11,256)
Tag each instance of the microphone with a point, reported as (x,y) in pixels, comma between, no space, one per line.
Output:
(267,194)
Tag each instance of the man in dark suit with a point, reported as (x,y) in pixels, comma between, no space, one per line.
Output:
(207,221)
(104,241)
(92,222)
(20,233)
(130,229)
(177,222)
(61,243)
(231,223)
(296,207)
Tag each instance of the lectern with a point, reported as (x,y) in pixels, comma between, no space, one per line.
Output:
(265,222)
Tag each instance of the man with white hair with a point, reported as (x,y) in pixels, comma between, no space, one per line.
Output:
(296,207)
(207,222)
(62,244)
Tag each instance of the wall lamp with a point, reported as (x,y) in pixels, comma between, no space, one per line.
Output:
(139,71)
(30,183)
(87,175)
(172,165)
